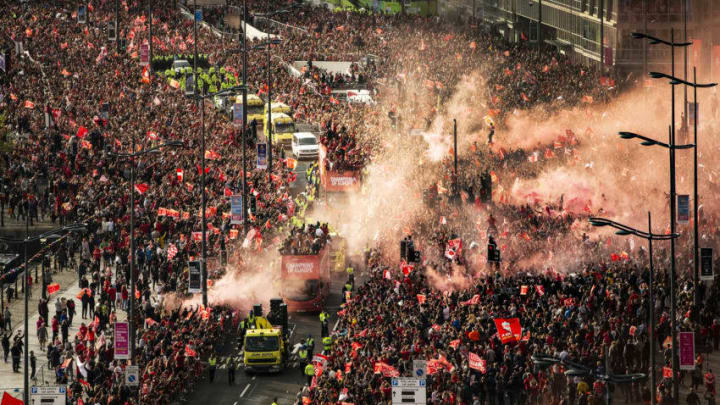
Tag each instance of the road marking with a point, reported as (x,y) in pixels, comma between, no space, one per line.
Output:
(254,377)
(244,391)
(235,403)
(336,324)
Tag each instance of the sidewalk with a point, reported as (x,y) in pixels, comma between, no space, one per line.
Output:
(68,289)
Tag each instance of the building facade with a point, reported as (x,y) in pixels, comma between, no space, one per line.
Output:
(599,31)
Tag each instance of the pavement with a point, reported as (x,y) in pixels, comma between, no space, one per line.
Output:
(68,289)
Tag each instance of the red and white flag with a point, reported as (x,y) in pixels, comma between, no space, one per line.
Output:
(141,188)
(29,104)
(180,174)
(421,298)
(523,290)
(211,155)
(172,251)
(540,289)
(508,329)
(387,275)
(472,301)
(453,247)
(477,363)
(152,135)
(53,288)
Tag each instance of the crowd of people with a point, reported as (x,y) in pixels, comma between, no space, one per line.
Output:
(308,239)
(73,97)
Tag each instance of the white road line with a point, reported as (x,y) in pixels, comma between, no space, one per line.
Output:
(235,403)
(244,391)
(254,377)
(336,324)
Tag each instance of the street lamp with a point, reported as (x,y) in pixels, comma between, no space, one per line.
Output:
(577,369)
(649,236)
(132,156)
(672,44)
(26,290)
(675,81)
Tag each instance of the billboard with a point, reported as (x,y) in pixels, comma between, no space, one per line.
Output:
(121,340)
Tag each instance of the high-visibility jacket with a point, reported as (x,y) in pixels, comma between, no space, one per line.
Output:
(348,287)
(310,342)
(323,316)
(213,361)
(350,270)
(310,370)
(327,343)
(303,354)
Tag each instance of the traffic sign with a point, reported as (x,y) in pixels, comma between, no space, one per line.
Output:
(419,368)
(409,391)
(132,376)
(52,395)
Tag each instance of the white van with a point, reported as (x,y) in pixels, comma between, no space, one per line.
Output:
(304,145)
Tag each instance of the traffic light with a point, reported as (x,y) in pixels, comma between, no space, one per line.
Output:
(112,31)
(485,187)
(189,84)
(493,252)
(253,203)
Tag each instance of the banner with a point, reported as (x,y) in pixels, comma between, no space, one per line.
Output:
(82,15)
(508,329)
(53,288)
(476,363)
(195,277)
(706,264)
(144,54)
(236,209)
(687,350)
(121,340)
(238,114)
(262,156)
(683,209)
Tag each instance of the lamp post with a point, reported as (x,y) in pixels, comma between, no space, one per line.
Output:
(150,17)
(132,156)
(244,117)
(26,290)
(577,369)
(649,236)
(695,85)
(672,44)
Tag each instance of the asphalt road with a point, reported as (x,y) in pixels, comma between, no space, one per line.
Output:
(261,388)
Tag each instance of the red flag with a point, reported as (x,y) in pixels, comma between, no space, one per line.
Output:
(190,352)
(508,329)
(180,174)
(477,363)
(523,290)
(52,288)
(212,155)
(145,75)
(633,329)
(227,192)
(540,289)
(8,399)
(385,369)
(81,132)
(421,298)
(85,144)
(141,188)
(524,97)
(152,135)
(83,382)
(29,104)
(472,301)
(667,372)
(455,343)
